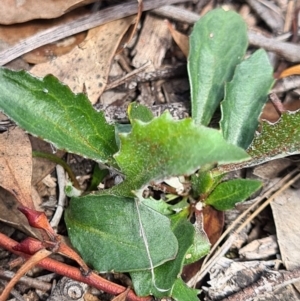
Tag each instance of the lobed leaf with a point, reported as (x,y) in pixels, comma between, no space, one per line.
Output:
(217,44)
(48,109)
(106,231)
(245,97)
(164,147)
(275,140)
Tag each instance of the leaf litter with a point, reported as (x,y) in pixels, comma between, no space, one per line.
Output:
(293,146)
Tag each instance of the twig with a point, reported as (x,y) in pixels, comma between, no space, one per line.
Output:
(59,161)
(79,25)
(177,14)
(17,296)
(289,51)
(289,16)
(269,12)
(137,76)
(277,103)
(267,283)
(63,269)
(125,78)
(286,84)
(30,263)
(28,281)
(61,180)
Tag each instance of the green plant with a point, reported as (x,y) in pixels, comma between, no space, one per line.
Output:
(118,229)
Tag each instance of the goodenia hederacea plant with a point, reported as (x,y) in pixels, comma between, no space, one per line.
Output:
(217,44)
(49,109)
(245,97)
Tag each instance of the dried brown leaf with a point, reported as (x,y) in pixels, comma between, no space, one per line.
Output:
(16,165)
(12,12)
(213,223)
(86,67)
(271,114)
(286,213)
(13,34)
(295,70)
(10,215)
(180,39)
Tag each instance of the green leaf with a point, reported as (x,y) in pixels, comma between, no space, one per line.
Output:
(106,231)
(181,292)
(217,44)
(121,128)
(50,110)
(228,193)
(205,181)
(164,147)
(245,97)
(160,283)
(200,246)
(98,176)
(137,111)
(159,206)
(275,140)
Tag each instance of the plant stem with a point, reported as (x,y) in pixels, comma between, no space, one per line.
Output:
(74,273)
(59,161)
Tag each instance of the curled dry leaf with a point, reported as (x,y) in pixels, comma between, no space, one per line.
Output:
(86,67)
(16,165)
(180,39)
(21,11)
(213,221)
(295,70)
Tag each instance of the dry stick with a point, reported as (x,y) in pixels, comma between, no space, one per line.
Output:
(61,180)
(266,10)
(28,281)
(289,16)
(266,284)
(17,296)
(177,13)
(223,250)
(81,24)
(289,51)
(29,264)
(125,78)
(60,268)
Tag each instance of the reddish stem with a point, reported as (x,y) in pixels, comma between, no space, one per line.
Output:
(74,273)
